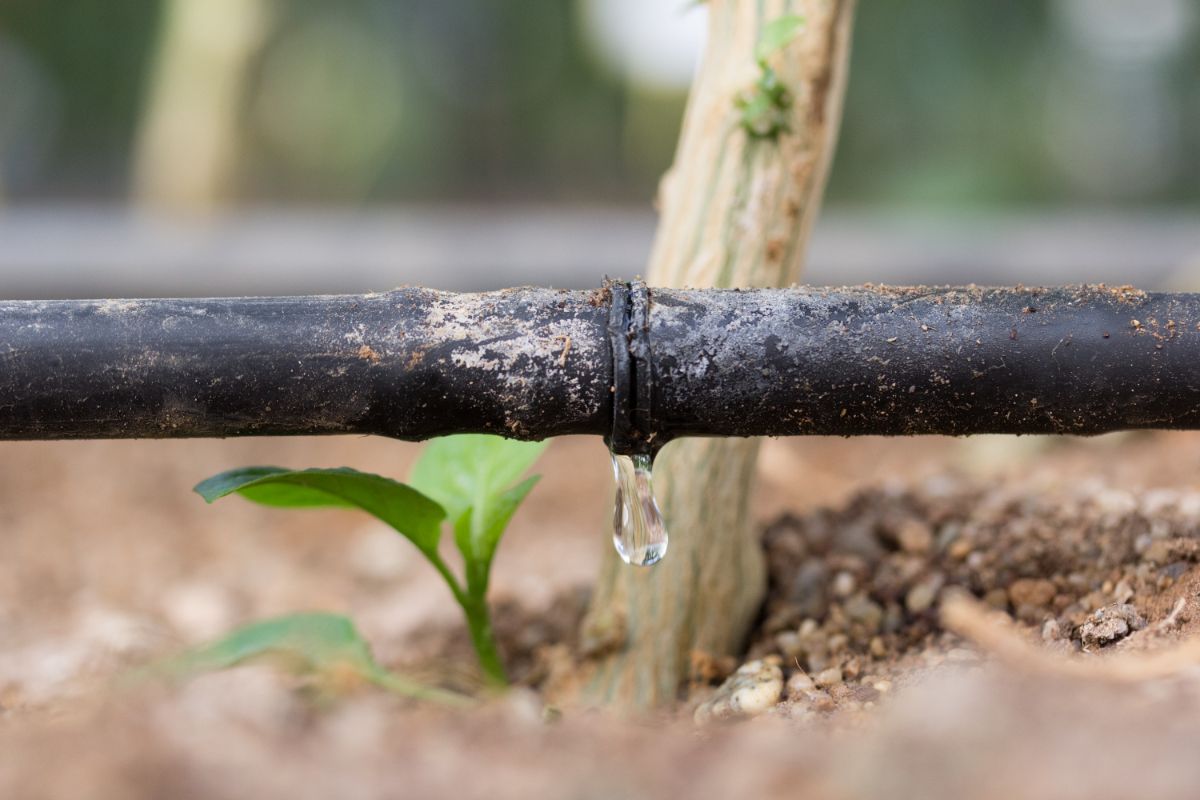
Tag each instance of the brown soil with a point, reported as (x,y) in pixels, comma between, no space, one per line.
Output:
(1092,690)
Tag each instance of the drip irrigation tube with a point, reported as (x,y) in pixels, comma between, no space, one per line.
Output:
(638,366)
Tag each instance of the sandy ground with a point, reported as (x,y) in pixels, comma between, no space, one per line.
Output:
(109,560)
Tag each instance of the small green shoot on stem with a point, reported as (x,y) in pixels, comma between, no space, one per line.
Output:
(764,107)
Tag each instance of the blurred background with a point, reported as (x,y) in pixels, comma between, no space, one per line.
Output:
(284,146)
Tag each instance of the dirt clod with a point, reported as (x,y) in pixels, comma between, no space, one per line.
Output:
(1110,624)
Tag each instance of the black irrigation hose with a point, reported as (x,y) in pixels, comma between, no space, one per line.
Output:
(637,366)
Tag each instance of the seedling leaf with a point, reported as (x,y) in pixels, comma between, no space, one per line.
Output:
(457,471)
(314,641)
(471,477)
(497,515)
(411,513)
(777,34)
(324,644)
(477,532)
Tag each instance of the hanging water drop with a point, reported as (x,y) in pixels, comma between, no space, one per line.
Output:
(638,529)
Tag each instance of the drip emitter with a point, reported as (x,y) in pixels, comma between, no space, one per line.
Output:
(636,365)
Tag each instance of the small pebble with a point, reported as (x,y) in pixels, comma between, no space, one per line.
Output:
(829,677)
(959,549)
(755,687)
(1110,624)
(915,536)
(864,611)
(948,535)
(789,643)
(799,683)
(809,592)
(1161,551)
(920,598)
(844,584)
(1122,592)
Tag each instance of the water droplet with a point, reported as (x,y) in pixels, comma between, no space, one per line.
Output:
(638,529)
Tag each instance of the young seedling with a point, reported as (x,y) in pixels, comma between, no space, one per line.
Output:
(470,481)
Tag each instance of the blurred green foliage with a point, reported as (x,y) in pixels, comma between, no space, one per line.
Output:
(95,55)
(979,104)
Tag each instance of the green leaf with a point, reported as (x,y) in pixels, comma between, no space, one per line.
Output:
(472,476)
(477,534)
(456,471)
(499,513)
(778,34)
(309,643)
(411,513)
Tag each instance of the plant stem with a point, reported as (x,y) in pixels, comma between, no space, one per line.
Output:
(479,622)
(400,685)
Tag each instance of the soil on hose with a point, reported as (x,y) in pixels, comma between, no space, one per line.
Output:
(990,617)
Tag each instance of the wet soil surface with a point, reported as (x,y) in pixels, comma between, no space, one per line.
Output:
(992,617)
